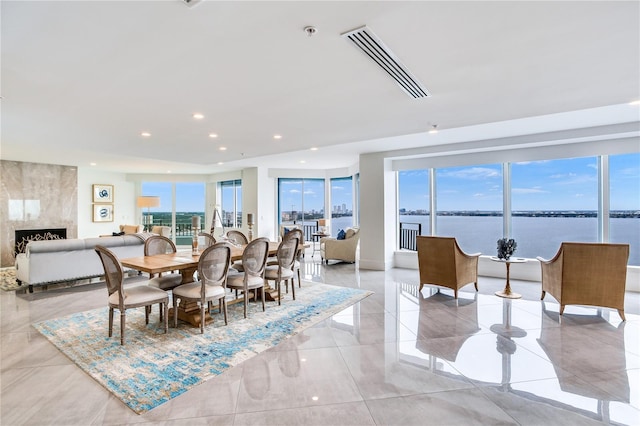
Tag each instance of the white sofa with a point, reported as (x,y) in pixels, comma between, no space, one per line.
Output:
(51,261)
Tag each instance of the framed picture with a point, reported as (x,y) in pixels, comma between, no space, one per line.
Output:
(102,193)
(103,212)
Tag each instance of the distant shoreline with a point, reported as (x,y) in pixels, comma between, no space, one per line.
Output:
(618,214)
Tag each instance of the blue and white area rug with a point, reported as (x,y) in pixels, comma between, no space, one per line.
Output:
(154,367)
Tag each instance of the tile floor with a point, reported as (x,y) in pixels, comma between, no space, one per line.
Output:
(397,357)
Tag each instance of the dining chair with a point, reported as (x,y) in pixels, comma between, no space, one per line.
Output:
(213,268)
(254,259)
(209,240)
(131,297)
(295,233)
(284,270)
(237,238)
(155,245)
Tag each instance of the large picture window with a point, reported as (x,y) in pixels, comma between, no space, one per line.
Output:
(554,201)
(413,206)
(301,201)
(469,206)
(231,203)
(624,211)
(342,204)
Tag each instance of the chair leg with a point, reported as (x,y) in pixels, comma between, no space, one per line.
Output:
(160,308)
(299,282)
(476,285)
(245,302)
(621,313)
(223,305)
(561,309)
(122,324)
(175,312)
(166,317)
(293,289)
(110,322)
(203,307)
(421,285)
(279,294)
(146,316)
(455,294)
(262,297)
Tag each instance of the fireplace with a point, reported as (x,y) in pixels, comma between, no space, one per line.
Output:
(23,236)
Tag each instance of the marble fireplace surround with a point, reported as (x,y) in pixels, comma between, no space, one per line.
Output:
(35,196)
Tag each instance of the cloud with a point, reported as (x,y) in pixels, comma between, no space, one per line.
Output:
(535,190)
(473,173)
(294,191)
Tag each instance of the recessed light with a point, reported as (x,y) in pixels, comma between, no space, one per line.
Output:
(314,398)
(634,103)
(314,148)
(92,164)
(223,148)
(434,129)
(145,134)
(213,135)
(168,171)
(277,136)
(198,116)
(302,161)
(220,163)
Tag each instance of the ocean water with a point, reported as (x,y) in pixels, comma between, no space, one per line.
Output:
(535,236)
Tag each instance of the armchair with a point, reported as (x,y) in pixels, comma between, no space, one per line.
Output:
(587,274)
(345,250)
(441,262)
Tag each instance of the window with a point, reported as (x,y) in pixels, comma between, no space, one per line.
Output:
(162,215)
(231,203)
(469,206)
(413,206)
(301,201)
(553,201)
(624,212)
(190,201)
(342,204)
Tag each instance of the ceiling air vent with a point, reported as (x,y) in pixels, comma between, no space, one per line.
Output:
(191,3)
(374,48)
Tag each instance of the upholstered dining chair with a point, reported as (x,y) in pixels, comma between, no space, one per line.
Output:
(209,240)
(213,268)
(295,233)
(237,238)
(254,259)
(131,297)
(441,262)
(284,270)
(587,274)
(158,244)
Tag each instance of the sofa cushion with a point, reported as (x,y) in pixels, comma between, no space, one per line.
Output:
(46,246)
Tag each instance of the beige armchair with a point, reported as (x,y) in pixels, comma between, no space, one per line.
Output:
(165,231)
(345,250)
(587,274)
(441,262)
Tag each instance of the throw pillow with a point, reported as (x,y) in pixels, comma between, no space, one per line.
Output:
(287,230)
(341,234)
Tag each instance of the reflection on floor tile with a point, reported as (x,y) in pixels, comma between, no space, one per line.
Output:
(399,356)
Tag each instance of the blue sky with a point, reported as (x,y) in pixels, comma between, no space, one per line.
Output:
(565,184)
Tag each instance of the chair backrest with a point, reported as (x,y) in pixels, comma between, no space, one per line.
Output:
(287,251)
(294,233)
(285,229)
(601,263)
(113,271)
(237,237)
(436,259)
(158,244)
(254,257)
(213,265)
(209,240)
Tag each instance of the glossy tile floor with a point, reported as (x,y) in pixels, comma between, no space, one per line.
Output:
(397,357)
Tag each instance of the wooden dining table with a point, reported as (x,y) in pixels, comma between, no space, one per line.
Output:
(186,262)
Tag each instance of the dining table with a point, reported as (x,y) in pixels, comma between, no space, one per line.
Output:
(186,262)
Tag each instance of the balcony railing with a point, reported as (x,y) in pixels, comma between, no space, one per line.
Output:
(408,233)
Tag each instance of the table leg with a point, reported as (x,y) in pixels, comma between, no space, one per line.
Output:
(507,293)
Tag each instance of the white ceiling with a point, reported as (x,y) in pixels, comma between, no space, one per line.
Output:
(82,79)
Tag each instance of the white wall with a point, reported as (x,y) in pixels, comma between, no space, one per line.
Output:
(123,206)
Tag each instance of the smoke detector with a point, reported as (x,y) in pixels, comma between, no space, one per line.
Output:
(310,30)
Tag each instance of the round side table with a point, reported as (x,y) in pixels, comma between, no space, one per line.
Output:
(507,288)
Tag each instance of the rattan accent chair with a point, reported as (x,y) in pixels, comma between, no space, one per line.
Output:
(443,263)
(284,269)
(587,274)
(254,260)
(158,244)
(131,297)
(213,268)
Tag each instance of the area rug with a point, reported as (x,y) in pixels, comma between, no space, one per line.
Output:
(8,279)
(154,367)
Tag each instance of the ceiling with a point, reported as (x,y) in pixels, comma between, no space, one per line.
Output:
(82,79)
